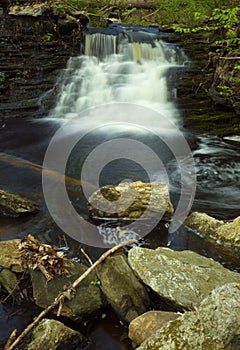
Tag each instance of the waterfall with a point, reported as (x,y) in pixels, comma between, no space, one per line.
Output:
(120,68)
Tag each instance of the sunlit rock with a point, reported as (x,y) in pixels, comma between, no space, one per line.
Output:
(54,335)
(131,200)
(9,255)
(86,303)
(124,292)
(13,205)
(145,325)
(183,278)
(215,325)
(227,234)
(35,10)
(203,223)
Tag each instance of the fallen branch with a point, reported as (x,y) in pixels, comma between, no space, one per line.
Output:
(69,293)
(229,58)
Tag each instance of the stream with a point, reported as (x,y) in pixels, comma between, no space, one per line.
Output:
(135,70)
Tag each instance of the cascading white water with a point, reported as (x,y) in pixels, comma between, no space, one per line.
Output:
(115,68)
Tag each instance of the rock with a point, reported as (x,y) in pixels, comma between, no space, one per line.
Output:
(183,278)
(9,255)
(203,223)
(67,24)
(215,325)
(53,335)
(129,200)
(34,10)
(12,205)
(145,325)
(86,303)
(123,291)
(9,281)
(228,234)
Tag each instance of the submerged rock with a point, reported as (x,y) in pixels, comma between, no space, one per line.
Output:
(145,325)
(227,234)
(131,200)
(123,291)
(215,325)
(9,255)
(183,278)
(13,205)
(54,335)
(87,301)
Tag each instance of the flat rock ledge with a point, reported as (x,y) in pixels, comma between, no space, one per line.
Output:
(131,200)
(225,233)
(182,278)
(214,325)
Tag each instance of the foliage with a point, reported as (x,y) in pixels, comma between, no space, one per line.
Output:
(47,37)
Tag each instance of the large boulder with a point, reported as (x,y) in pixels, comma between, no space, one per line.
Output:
(13,205)
(183,278)
(52,334)
(123,291)
(130,200)
(9,281)
(227,234)
(86,303)
(215,325)
(148,323)
(9,255)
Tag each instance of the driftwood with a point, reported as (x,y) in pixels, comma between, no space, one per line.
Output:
(69,294)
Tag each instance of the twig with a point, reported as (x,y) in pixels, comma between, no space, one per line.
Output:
(86,256)
(66,293)
(11,339)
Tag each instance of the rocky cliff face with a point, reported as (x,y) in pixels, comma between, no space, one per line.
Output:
(36,42)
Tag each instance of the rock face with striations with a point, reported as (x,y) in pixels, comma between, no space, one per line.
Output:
(215,325)
(183,278)
(131,200)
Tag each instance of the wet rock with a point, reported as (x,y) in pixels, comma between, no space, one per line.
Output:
(122,289)
(52,334)
(9,255)
(215,325)
(86,303)
(145,325)
(12,205)
(183,278)
(131,200)
(8,280)
(227,234)
(203,223)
